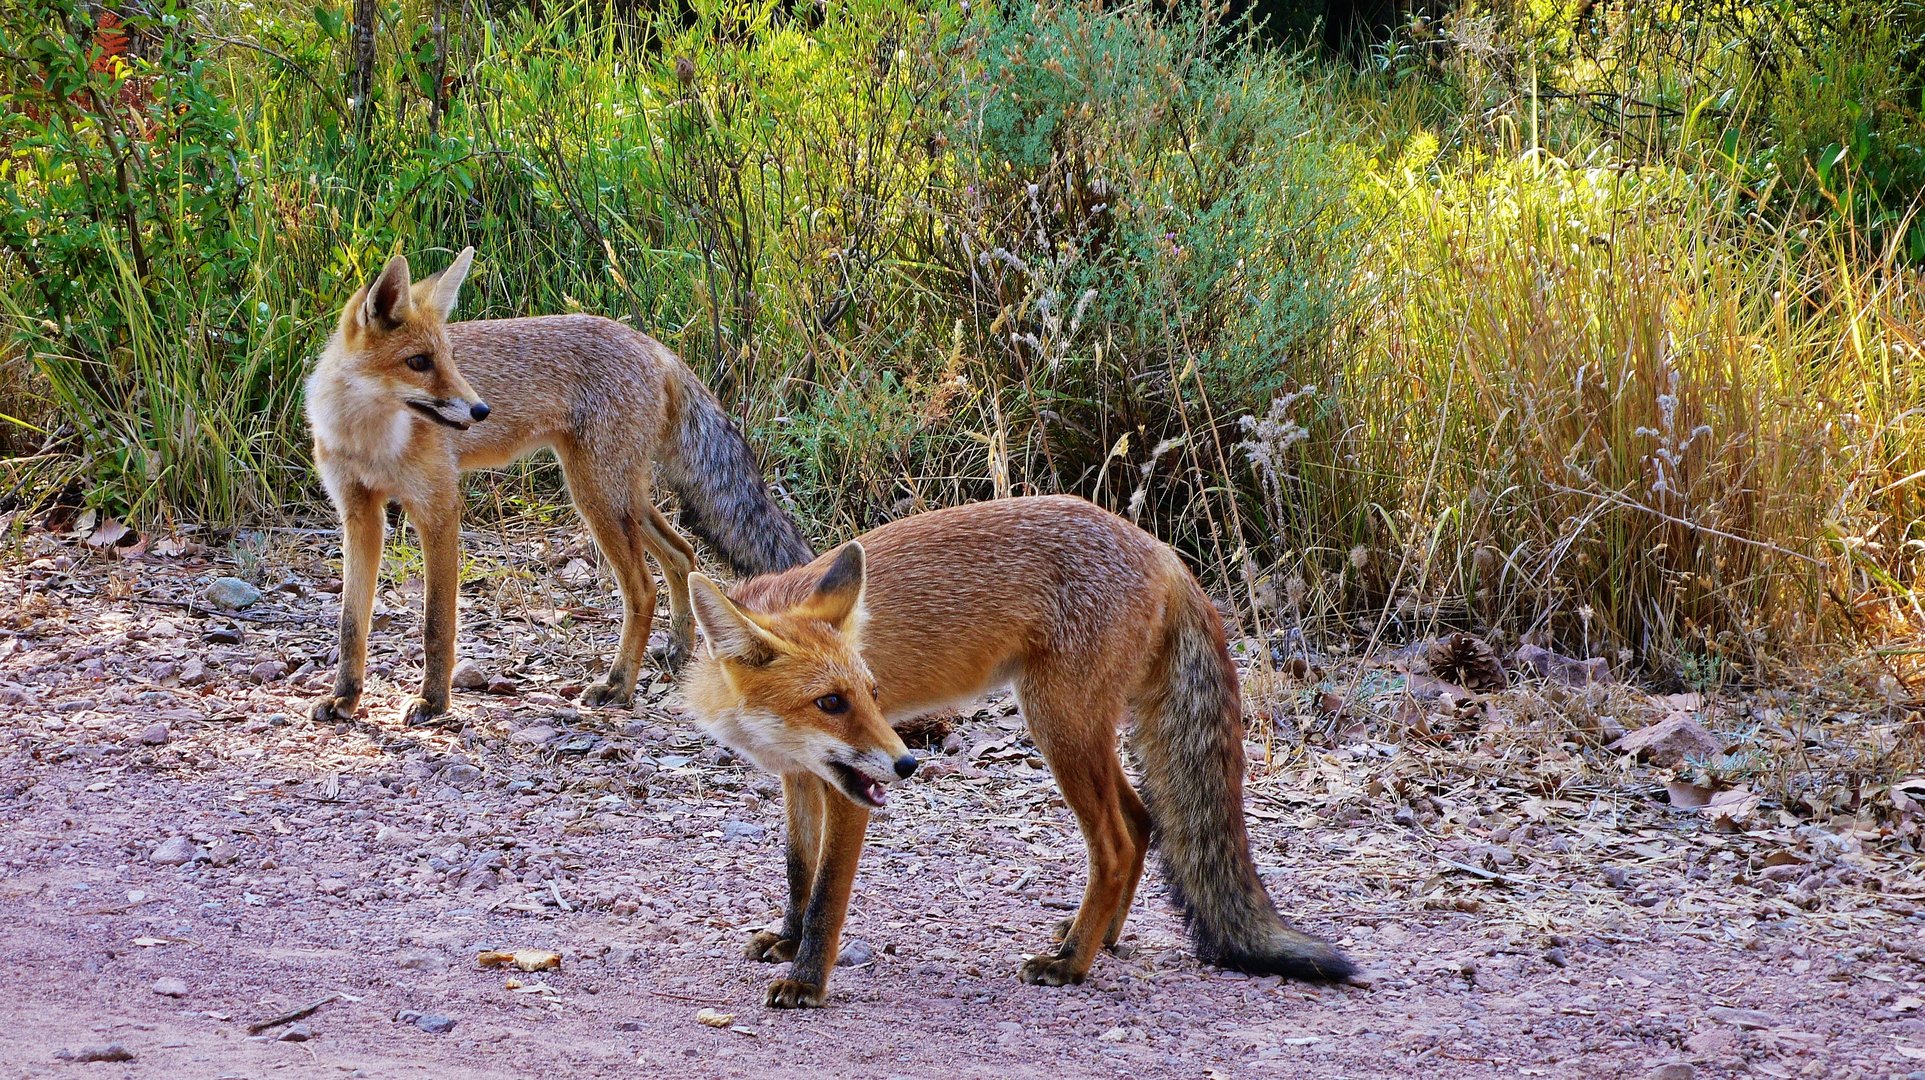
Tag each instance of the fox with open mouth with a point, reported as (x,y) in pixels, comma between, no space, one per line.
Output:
(1092,622)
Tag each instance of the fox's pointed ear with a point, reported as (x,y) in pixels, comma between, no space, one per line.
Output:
(389,299)
(729,630)
(837,599)
(439,291)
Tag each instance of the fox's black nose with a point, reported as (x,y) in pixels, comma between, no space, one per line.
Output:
(479,410)
(905,765)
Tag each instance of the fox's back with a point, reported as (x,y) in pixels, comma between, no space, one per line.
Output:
(553,377)
(964,598)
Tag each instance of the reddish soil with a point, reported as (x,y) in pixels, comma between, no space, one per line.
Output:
(1592,932)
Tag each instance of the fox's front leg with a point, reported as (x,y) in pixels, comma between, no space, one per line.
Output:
(802,799)
(438,524)
(362,525)
(838,851)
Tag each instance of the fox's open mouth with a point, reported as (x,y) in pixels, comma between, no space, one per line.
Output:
(432,410)
(859,785)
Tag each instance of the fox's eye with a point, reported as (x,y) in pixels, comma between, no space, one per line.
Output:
(420,362)
(832,704)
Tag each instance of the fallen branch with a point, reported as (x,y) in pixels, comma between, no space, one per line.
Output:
(289,1017)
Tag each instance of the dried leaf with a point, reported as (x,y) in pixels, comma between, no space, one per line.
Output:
(714,1019)
(108,533)
(524,959)
(1686,795)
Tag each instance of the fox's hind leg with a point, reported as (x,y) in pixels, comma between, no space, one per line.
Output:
(1075,728)
(616,520)
(676,556)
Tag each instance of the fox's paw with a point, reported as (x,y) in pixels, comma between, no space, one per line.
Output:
(771,948)
(671,657)
(420,712)
(334,707)
(607,693)
(792,994)
(1051,971)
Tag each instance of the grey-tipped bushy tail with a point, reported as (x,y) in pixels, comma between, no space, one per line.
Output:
(724,498)
(1189,745)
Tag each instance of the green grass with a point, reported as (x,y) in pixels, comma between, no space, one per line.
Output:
(1591,339)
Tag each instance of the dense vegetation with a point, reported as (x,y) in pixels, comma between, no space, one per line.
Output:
(1594,324)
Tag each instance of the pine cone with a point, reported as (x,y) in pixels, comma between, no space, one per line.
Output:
(1466,661)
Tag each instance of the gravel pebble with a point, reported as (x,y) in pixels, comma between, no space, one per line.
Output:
(231,593)
(173,851)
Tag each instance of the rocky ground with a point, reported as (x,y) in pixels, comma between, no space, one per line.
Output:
(186,856)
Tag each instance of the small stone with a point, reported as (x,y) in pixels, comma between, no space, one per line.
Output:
(267,671)
(155,735)
(332,886)
(1749,1019)
(743,830)
(461,776)
(420,960)
(173,851)
(1569,671)
(231,593)
(501,684)
(435,1023)
(469,675)
(533,735)
(1711,1042)
(855,953)
(1555,957)
(1670,741)
(1616,877)
(222,853)
(296,1033)
(109,1052)
(1674,1070)
(387,836)
(168,986)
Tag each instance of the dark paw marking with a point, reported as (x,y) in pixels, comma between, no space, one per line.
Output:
(420,712)
(334,708)
(771,948)
(671,658)
(607,693)
(791,994)
(1051,971)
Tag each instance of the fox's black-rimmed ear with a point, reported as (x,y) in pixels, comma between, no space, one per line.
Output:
(390,298)
(837,599)
(438,291)
(728,629)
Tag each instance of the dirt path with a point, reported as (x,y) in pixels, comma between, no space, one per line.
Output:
(1590,933)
